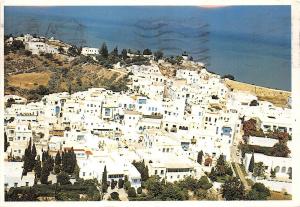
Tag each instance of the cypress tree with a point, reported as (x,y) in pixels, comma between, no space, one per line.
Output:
(32,158)
(104,50)
(145,174)
(251,164)
(37,168)
(124,54)
(57,158)
(104,180)
(64,161)
(73,160)
(44,175)
(200,157)
(26,164)
(115,52)
(6,143)
(33,152)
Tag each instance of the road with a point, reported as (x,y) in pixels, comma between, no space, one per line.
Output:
(236,159)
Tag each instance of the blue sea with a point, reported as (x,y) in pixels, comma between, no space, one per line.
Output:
(253,43)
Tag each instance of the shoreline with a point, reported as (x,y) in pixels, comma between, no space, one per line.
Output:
(275,96)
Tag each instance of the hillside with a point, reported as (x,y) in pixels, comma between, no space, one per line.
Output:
(32,76)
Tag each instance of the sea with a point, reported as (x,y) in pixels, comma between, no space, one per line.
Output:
(253,43)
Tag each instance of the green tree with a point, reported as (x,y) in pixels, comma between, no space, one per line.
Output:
(233,189)
(37,168)
(115,52)
(10,102)
(33,155)
(120,183)
(57,169)
(154,186)
(139,190)
(57,158)
(204,183)
(172,192)
(131,192)
(212,174)
(44,175)
(158,55)
(259,170)
(61,50)
(147,51)
(200,157)
(104,180)
(6,143)
(73,51)
(124,54)
(143,169)
(273,173)
(127,185)
(189,183)
(63,178)
(251,164)
(17,45)
(115,196)
(104,50)
(258,192)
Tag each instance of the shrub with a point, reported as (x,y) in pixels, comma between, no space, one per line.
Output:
(28,53)
(131,192)
(57,169)
(63,178)
(229,76)
(115,196)
(127,185)
(121,183)
(113,184)
(139,190)
(48,56)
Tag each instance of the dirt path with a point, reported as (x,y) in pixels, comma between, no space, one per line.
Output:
(241,176)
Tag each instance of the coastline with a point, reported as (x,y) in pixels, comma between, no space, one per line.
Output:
(275,96)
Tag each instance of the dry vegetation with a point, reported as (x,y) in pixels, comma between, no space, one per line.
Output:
(277,97)
(279,196)
(29,80)
(25,74)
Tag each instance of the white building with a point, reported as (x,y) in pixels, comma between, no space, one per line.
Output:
(89,51)
(40,47)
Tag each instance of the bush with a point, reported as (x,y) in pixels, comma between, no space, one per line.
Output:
(28,53)
(139,190)
(115,196)
(204,183)
(17,45)
(113,184)
(127,185)
(131,192)
(147,52)
(229,76)
(48,56)
(57,169)
(63,178)
(121,183)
